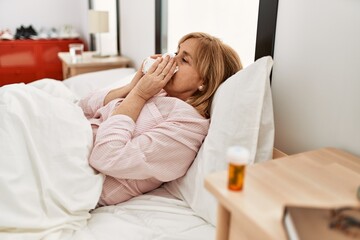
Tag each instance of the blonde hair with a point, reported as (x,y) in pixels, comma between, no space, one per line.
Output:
(215,62)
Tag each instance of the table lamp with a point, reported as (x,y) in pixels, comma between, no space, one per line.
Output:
(98,23)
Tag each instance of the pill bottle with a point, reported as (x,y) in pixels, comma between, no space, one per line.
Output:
(237,158)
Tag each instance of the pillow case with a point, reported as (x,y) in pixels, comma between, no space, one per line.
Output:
(85,83)
(241,114)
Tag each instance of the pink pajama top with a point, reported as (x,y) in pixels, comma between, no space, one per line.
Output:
(139,157)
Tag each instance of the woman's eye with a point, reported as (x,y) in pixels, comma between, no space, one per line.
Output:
(183,59)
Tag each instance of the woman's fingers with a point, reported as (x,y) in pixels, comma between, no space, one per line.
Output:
(156,78)
(169,70)
(161,66)
(164,67)
(156,56)
(172,70)
(155,65)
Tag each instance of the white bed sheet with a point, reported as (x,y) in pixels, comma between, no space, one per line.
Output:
(155,215)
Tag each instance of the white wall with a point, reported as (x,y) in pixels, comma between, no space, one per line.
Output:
(233,21)
(137,32)
(44,13)
(137,29)
(316,76)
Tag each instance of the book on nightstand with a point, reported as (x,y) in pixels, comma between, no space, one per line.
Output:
(313,223)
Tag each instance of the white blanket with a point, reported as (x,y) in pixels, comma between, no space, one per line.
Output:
(47,187)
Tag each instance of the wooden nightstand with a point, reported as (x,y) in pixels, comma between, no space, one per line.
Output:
(90,64)
(326,177)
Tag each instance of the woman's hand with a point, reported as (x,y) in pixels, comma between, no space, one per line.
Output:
(139,74)
(156,78)
(123,91)
(146,87)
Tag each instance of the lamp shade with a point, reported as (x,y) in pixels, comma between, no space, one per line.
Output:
(98,21)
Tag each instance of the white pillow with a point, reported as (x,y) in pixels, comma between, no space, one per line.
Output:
(241,114)
(85,83)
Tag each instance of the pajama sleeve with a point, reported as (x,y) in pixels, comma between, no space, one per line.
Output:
(164,152)
(91,103)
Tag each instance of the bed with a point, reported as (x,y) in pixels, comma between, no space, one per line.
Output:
(50,192)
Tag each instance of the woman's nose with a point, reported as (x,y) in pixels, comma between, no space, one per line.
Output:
(177,60)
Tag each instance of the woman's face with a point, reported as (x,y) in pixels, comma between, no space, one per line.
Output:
(186,80)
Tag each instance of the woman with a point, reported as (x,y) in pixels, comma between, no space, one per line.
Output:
(149,131)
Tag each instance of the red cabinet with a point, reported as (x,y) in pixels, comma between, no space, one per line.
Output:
(29,60)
